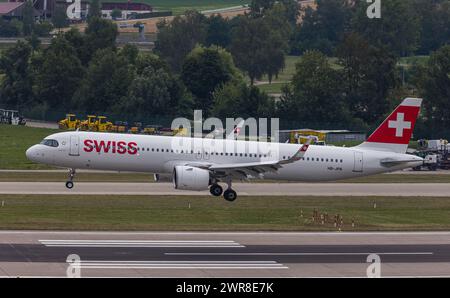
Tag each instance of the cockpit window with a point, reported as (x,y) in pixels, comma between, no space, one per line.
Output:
(51,143)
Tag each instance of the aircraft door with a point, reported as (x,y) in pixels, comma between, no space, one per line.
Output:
(74,146)
(358,162)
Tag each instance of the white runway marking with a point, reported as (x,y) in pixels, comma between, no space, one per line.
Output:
(142,243)
(296,253)
(179,265)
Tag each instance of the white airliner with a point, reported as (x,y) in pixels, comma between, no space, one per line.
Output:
(200,164)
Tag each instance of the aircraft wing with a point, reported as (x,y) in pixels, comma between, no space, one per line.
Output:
(252,169)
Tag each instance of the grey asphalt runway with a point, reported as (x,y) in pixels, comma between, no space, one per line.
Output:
(212,254)
(243,189)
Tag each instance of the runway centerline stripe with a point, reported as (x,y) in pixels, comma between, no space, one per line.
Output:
(142,243)
(179,265)
(146,241)
(297,254)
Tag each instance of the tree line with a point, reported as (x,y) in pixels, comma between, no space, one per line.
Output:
(349,75)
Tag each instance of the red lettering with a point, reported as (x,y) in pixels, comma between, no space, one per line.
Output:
(88,146)
(102,146)
(121,149)
(132,148)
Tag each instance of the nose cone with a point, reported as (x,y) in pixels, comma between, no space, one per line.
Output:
(32,153)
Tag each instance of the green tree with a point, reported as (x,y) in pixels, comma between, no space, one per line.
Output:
(398,28)
(43,28)
(204,70)
(155,91)
(259,8)
(58,73)
(59,18)
(322,28)
(9,28)
(130,52)
(94,10)
(256,48)
(28,18)
(369,75)
(433,81)
(435,24)
(218,31)
(16,84)
(145,59)
(99,34)
(239,100)
(78,42)
(106,83)
(149,94)
(177,38)
(34,41)
(315,92)
(116,14)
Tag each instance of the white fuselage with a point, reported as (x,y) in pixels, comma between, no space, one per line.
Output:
(159,154)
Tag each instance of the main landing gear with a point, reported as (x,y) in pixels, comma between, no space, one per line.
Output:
(216,190)
(69,183)
(229,194)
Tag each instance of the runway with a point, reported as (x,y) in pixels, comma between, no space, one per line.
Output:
(212,254)
(243,189)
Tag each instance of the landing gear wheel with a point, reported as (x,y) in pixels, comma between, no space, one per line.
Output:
(230,195)
(216,190)
(69,184)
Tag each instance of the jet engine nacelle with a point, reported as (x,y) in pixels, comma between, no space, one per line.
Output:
(190,178)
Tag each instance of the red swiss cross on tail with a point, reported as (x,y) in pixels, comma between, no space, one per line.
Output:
(395,132)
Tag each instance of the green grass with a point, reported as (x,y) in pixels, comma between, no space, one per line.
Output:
(15,140)
(414,60)
(287,74)
(180,6)
(206,213)
(272,88)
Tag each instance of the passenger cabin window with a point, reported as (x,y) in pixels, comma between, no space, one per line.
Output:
(51,143)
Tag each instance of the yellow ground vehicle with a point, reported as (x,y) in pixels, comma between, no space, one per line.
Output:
(89,123)
(301,136)
(94,123)
(119,126)
(70,122)
(137,128)
(102,124)
(151,129)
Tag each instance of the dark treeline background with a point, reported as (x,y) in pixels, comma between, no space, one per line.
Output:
(349,76)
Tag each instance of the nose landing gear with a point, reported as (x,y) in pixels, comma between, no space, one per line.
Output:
(69,183)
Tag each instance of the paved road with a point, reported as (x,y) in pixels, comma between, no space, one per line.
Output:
(243,189)
(212,254)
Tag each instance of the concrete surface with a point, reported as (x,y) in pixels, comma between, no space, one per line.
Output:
(259,254)
(243,189)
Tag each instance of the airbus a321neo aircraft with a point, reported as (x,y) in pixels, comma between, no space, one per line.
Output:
(200,163)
